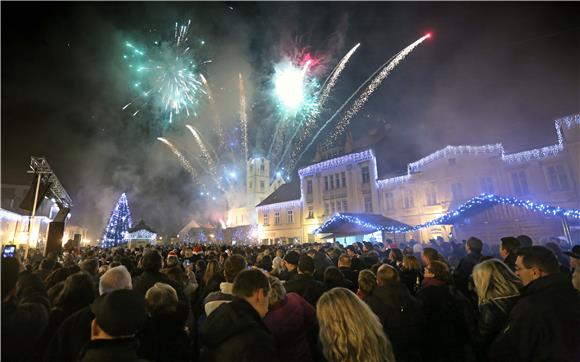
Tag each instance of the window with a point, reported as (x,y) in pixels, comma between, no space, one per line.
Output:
(262,169)
(251,185)
(266,219)
(389,201)
(277,218)
(290,217)
(326,183)
(331,182)
(326,209)
(365,175)
(344,206)
(486,185)
(310,212)
(343,176)
(431,195)
(408,201)
(557,178)
(368,204)
(309,187)
(520,183)
(332,208)
(337,181)
(457,191)
(261,186)
(338,208)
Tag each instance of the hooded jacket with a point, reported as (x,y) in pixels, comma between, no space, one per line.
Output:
(235,332)
(543,325)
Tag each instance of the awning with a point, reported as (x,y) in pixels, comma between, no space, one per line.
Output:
(350,224)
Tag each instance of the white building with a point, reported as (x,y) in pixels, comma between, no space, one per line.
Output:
(431,187)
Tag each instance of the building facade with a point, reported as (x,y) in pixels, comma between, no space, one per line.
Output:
(431,187)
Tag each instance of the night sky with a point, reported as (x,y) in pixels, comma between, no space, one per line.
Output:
(493,72)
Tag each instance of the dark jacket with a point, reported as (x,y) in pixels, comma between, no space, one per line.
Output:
(69,339)
(412,279)
(493,315)
(294,326)
(510,261)
(350,275)
(446,327)
(142,283)
(235,332)
(462,273)
(402,319)
(357,264)
(308,287)
(288,275)
(543,325)
(163,338)
(110,350)
(24,320)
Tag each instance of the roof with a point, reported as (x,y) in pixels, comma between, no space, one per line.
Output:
(359,224)
(141,226)
(286,192)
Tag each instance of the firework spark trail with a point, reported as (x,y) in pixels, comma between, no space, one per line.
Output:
(311,120)
(243,119)
(204,151)
(361,100)
(216,117)
(184,162)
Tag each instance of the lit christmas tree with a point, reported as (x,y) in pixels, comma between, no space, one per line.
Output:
(119,222)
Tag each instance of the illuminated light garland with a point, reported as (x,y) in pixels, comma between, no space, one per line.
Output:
(280,205)
(454,151)
(142,235)
(367,155)
(463,208)
(120,221)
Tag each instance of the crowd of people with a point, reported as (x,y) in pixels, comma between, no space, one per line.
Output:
(440,301)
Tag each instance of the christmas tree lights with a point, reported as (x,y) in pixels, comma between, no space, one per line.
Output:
(120,221)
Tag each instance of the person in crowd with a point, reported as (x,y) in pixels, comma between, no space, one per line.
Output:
(25,311)
(292,322)
(200,266)
(445,321)
(349,330)
(399,313)
(462,274)
(266,261)
(508,248)
(395,258)
(367,281)
(333,278)
(497,289)
(75,331)
(344,265)
(525,241)
(119,315)
(152,264)
(232,267)
(371,259)
(163,337)
(356,263)
(46,267)
(291,265)
(185,278)
(429,255)
(542,326)
(562,259)
(235,331)
(59,275)
(321,263)
(304,283)
(410,273)
(574,255)
(91,267)
(278,262)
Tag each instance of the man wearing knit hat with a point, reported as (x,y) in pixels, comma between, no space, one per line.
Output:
(118,317)
(291,264)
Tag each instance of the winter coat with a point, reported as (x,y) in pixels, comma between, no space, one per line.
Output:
(110,350)
(24,320)
(446,329)
(463,272)
(294,326)
(543,325)
(163,337)
(73,333)
(350,275)
(308,287)
(412,279)
(235,332)
(401,316)
(493,315)
(510,261)
(288,275)
(142,283)
(215,299)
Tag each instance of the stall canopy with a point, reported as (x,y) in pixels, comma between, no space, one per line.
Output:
(349,224)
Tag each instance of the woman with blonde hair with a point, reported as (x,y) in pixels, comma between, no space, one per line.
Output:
(497,290)
(411,273)
(349,330)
